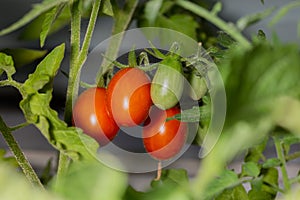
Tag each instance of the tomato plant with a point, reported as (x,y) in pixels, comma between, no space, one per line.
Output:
(128,96)
(90,113)
(164,139)
(260,76)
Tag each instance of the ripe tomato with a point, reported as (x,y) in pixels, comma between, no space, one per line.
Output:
(164,139)
(90,113)
(128,96)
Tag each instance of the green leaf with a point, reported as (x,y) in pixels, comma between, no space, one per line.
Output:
(6,65)
(259,195)
(132,194)
(250,169)
(172,177)
(287,114)
(47,23)
(248,20)
(194,114)
(255,153)
(271,162)
(37,94)
(37,10)
(253,85)
(236,193)
(33,30)
(179,22)
(151,11)
(226,180)
(91,181)
(24,56)
(14,186)
(106,8)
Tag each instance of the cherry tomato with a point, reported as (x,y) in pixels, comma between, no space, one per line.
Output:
(128,96)
(90,113)
(164,139)
(167,84)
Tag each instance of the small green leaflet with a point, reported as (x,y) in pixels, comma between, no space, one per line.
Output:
(194,114)
(236,193)
(37,94)
(226,180)
(172,176)
(6,64)
(250,169)
(37,10)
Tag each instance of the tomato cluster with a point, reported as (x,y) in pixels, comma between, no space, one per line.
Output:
(128,101)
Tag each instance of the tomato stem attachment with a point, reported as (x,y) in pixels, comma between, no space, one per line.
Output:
(159,169)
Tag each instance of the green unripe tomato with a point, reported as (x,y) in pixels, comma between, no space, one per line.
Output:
(167,84)
(198,86)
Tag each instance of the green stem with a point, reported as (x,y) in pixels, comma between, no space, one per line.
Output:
(78,57)
(293,156)
(122,20)
(228,28)
(280,154)
(74,69)
(19,155)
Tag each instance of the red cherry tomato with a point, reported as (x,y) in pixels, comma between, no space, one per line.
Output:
(128,96)
(164,139)
(90,113)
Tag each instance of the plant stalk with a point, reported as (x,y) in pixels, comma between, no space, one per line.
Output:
(78,57)
(19,155)
(280,154)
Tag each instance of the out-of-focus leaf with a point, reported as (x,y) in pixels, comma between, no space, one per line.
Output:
(172,176)
(272,162)
(33,29)
(179,22)
(236,193)
(257,77)
(91,181)
(13,186)
(106,8)
(248,20)
(6,65)
(22,56)
(37,10)
(225,180)
(287,114)
(151,11)
(250,169)
(255,153)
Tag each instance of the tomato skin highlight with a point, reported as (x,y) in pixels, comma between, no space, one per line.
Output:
(164,139)
(128,96)
(90,113)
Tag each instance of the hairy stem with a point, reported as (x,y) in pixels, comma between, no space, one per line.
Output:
(19,155)
(78,57)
